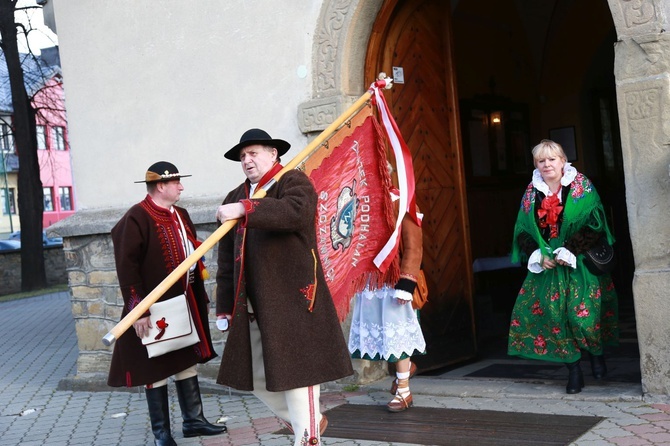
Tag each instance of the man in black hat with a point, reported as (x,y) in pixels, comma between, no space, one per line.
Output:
(150,241)
(285,338)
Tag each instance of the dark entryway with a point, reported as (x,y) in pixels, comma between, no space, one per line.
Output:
(484,81)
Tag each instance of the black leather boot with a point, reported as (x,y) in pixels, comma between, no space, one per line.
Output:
(575,378)
(190,403)
(598,366)
(159,412)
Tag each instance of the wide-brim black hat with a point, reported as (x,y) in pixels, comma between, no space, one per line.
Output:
(257,136)
(161,171)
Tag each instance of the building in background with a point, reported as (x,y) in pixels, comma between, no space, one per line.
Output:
(44,85)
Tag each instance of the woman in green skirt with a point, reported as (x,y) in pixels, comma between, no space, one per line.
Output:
(562,308)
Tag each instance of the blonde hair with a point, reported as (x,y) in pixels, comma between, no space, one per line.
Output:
(547,148)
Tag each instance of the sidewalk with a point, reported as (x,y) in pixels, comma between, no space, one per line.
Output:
(39,349)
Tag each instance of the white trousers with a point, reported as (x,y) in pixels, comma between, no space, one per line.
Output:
(297,407)
(184,374)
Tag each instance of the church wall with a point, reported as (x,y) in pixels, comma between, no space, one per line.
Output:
(178,81)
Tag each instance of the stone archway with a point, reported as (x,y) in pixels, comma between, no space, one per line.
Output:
(342,33)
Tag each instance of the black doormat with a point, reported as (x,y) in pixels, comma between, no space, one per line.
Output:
(454,427)
(622,372)
(520,371)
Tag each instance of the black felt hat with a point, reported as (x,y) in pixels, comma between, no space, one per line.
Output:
(161,171)
(257,136)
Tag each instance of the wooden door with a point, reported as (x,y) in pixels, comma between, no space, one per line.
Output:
(415,36)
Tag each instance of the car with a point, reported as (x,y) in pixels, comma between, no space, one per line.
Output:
(9,245)
(46,241)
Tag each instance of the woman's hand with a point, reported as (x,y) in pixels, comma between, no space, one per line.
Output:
(548,263)
(565,257)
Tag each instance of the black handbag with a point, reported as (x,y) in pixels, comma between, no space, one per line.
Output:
(600,259)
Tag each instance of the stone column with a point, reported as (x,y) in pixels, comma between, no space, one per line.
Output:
(642,70)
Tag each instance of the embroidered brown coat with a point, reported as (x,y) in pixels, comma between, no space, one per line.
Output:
(303,343)
(146,250)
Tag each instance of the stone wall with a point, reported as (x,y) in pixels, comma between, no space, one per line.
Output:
(10,269)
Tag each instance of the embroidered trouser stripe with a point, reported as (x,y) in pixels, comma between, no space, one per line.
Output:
(298,407)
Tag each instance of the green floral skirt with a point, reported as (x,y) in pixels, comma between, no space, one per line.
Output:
(560,312)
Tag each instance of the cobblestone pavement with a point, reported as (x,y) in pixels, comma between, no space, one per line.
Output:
(39,349)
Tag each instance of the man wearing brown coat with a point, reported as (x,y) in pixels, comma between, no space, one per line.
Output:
(285,338)
(150,241)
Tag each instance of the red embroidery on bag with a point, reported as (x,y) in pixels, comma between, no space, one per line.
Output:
(162,325)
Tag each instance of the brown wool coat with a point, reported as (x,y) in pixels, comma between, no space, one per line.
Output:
(145,251)
(283,277)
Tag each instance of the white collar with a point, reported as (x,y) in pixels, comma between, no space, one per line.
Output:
(569,174)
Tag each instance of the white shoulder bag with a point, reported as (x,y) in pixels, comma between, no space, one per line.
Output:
(172,327)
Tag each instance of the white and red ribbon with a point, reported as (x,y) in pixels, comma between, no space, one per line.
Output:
(405,170)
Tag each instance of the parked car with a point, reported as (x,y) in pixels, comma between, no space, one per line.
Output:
(9,245)
(46,241)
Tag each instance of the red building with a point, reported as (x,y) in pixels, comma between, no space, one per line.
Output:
(44,85)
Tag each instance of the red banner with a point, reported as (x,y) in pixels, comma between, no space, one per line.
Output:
(355,214)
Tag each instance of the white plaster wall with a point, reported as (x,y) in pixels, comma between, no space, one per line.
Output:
(178,81)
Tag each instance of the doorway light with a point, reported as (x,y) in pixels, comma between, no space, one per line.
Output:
(496,118)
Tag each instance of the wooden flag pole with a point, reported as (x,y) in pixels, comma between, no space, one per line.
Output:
(151,298)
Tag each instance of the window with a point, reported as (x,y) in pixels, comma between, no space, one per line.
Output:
(7,197)
(48,199)
(6,138)
(58,138)
(41,137)
(65,194)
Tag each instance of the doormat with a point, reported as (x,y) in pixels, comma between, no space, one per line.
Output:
(622,372)
(454,427)
(521,371)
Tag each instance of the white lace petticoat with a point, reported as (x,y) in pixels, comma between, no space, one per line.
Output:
(381,328)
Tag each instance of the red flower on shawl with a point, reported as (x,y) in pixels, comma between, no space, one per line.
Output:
(548,213)
(540,345)
(582,311)
(537,308)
